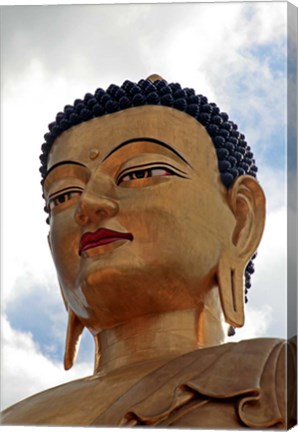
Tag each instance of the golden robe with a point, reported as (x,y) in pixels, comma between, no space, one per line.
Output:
(251,383)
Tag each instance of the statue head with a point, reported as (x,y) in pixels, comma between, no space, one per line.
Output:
(153,203)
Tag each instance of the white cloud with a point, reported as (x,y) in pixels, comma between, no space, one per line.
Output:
(257,323)
(26,371)
(56,55)
(274,184)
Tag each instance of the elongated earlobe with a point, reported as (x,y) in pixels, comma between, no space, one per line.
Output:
(74,331)
(97,353)
(230,281)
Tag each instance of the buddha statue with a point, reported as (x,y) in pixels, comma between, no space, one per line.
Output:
(155,215)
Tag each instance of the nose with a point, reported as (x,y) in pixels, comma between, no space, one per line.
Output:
(95,208)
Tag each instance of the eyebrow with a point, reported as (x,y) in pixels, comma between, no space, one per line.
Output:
(152,140)
(67,162)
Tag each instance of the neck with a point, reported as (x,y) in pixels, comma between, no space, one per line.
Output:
(157,338)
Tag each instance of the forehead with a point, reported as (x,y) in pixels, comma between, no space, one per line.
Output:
(104,134)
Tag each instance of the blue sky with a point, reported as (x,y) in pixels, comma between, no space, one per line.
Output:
(235,54)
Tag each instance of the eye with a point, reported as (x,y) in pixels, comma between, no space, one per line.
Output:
(62,198)
(144,173)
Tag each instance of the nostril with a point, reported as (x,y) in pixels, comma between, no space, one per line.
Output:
(106,211)
(81,218)
(106,207)
(102,212)
(93,207)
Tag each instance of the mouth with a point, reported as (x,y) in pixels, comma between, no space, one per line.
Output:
(101,237)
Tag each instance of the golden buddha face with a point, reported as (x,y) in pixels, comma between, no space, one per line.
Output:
(138,214)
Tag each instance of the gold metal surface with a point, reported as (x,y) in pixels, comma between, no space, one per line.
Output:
(155,298)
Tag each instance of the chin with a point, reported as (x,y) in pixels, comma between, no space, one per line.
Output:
(116,294)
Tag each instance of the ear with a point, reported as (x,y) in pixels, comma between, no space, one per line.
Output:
(247,202)
(74,331)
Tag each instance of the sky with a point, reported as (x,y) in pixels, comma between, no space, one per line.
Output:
(234,53)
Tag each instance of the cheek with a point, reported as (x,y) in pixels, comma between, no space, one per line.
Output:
(151,220)
(162,223)
(65,235)
(189,222)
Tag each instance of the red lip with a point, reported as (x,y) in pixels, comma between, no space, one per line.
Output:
(101,237)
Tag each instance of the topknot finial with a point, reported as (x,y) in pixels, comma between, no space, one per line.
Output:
(155,77)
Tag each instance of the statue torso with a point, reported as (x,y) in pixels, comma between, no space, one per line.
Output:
(229,386)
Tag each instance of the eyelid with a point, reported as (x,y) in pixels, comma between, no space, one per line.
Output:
(147,166)
(62,184)
(65,174)
(65,191)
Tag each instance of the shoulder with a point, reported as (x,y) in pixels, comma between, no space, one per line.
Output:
(244,384)
(57,405)
(232,385)
(259,375)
